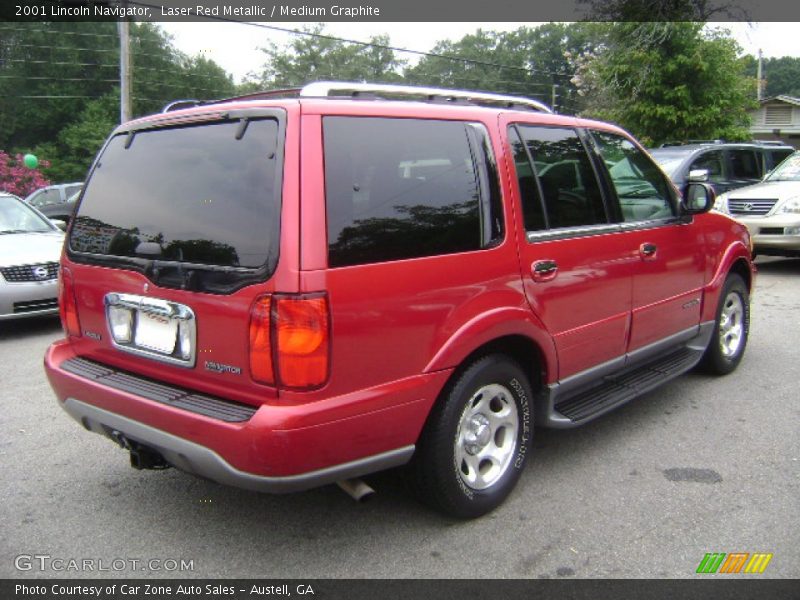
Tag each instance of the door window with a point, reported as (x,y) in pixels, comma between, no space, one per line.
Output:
(644,193)
(557,182)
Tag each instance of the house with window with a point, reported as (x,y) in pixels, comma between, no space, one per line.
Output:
(777,118)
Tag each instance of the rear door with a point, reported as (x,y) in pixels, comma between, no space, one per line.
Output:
(575,265)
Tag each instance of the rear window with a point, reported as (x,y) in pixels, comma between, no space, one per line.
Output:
(203,195)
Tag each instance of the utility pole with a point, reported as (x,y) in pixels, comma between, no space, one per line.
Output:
(124,70)
(759,80)
(553,98)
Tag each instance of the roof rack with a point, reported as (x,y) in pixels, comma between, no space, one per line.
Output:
(339,89)
(325,89)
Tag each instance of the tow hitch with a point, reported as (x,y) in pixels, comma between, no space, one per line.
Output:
(142,457)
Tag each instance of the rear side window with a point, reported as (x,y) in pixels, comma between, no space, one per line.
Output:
(407,188)
(203,194)
(567,194)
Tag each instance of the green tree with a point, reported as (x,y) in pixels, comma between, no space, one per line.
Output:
(320,57)
(59,86)
(668,81)
(48,72)
(161,73)
(528,62)
(781,74)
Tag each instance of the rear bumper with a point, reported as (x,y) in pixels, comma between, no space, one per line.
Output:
(278,449)
(201,460)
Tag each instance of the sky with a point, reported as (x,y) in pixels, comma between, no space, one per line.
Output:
(235,46)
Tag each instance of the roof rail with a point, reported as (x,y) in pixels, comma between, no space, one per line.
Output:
(324,89)
(179,104)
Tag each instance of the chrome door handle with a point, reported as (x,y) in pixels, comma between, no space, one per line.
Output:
(648,250)
(544,270)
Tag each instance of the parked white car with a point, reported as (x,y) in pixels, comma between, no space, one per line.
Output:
(30,248)
(770,209)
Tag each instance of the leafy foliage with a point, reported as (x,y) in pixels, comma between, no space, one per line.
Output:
(321,57)
(668,81)
(59,87)
(781,74)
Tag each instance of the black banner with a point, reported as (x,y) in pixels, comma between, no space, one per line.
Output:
(475,11)
(395,589)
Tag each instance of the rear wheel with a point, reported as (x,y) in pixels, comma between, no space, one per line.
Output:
(731,328)
(473,448)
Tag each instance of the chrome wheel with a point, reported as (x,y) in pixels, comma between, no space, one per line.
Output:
(487,436)
(731,325)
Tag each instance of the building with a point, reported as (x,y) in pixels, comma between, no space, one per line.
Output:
(777,118)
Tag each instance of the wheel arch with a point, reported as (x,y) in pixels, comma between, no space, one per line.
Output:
(735,260)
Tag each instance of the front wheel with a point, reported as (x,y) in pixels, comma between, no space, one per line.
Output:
(473,448)
(731,328)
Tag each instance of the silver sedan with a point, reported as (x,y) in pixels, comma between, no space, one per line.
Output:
(30,248)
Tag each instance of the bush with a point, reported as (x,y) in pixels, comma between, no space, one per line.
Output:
(16,178)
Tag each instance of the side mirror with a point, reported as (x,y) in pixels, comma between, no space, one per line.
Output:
(698,198)
(698,175)
(62,225)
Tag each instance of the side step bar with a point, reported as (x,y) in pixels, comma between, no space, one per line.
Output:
(566,407)
(621,388)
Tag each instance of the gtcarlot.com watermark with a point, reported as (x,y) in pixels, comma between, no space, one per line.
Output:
(59,564)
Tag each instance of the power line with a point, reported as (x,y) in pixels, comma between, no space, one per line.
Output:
(372,44)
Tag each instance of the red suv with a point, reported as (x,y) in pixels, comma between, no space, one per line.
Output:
(280,292)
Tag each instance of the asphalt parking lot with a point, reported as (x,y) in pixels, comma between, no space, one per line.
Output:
(701,465)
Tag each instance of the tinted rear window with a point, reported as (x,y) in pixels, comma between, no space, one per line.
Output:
(193,194)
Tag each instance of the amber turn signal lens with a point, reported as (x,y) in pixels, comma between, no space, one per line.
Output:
(67,304)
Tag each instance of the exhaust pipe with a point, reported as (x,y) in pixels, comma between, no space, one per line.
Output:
(356,489)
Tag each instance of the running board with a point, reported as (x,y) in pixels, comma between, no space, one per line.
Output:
(613,390)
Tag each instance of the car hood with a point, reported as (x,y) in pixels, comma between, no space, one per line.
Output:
(767,190)
(30,248)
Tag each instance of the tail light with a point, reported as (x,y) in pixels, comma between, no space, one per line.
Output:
(290,340)
(261,341)
(67,304)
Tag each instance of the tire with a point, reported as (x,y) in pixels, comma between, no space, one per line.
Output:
(731,328)
(475,442)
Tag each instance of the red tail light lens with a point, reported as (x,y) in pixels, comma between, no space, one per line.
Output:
(302,333)
(290,340)
(67,304)
(261,341)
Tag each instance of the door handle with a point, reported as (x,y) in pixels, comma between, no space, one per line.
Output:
(544,270)
(648,250)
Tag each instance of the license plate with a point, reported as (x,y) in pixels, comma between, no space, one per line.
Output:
(155,332)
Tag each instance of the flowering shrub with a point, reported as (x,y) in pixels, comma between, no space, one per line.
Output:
(16,178)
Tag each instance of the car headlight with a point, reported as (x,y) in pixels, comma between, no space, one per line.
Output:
(791,206)
(721,203)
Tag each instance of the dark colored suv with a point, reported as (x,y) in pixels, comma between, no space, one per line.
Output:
(727,166)
(279,292)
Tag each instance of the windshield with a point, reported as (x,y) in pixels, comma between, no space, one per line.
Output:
(788,170)
(17,217)
(202,195)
